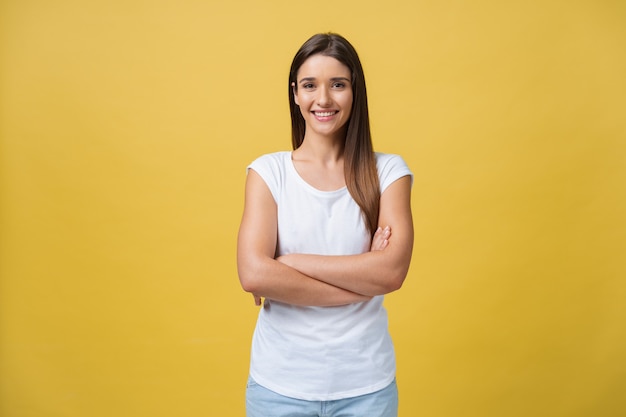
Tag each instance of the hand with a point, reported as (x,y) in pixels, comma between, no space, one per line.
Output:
(380,239)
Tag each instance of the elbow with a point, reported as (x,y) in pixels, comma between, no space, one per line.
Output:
(398,272)
(247,283)
(394,284)
(395,280)
(253,271)
(248,278)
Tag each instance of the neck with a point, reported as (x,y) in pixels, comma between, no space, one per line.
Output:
(321,148)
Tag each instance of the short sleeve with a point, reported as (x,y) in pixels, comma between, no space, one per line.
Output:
(270,168)
(391,168)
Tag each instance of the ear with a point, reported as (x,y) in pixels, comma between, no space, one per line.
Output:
(295,93)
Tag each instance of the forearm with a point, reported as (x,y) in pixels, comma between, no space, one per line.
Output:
(384,268)
(274,280)
(372,273)
(262,275)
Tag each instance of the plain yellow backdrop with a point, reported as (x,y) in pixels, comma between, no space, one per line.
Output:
(125,130)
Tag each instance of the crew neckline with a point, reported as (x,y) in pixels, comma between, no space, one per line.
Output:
(306,184)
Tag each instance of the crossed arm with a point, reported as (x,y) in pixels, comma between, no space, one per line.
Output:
(317,280)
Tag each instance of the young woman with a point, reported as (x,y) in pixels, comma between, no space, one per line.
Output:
(316,244)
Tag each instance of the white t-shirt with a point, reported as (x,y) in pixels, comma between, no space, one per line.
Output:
(321,353)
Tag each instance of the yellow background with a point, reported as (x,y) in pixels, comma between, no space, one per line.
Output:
(125,130)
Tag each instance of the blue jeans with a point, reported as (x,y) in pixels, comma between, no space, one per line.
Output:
(261,402)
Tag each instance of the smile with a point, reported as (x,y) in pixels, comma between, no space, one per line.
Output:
(325,113)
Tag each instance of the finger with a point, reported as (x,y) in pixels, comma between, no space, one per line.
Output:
(377,233)
(377,239)
(380,239)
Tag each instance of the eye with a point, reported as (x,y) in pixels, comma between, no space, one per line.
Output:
(339,84)
(308,86)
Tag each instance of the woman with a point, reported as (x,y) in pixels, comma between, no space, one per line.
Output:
(315,242)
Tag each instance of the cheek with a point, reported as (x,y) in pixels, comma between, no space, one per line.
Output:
(348,105)
(348,99)
(304,111)
(303,101)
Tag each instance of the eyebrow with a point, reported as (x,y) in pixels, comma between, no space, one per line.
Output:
(307,79)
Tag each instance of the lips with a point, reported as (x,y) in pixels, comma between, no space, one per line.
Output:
(325,113)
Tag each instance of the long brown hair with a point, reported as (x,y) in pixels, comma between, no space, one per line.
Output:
(359,161)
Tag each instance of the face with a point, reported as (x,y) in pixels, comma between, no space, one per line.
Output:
(324,95)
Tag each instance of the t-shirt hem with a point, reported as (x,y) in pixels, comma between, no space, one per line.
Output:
(323,397)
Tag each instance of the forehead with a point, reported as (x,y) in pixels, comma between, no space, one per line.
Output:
(323,66)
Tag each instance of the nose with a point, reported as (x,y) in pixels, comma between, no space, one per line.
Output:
(324,99)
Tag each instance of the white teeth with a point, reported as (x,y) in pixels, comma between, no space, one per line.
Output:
(324,114)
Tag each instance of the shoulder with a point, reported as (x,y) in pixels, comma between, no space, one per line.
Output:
(391,167)
(271,163)
(271,159)
(272,168)
(388,159)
